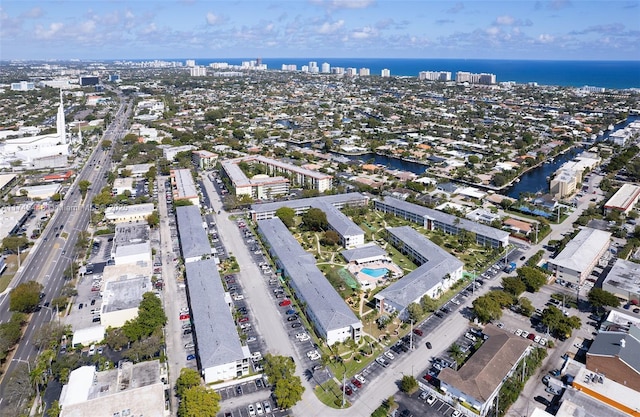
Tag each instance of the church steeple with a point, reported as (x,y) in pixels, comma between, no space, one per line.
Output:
(60,123)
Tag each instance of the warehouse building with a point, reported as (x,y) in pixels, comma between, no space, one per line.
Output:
(624,200)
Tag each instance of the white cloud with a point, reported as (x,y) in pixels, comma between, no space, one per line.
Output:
(364,33)
(213,19)
(33,13)
(328,27)
(87,26)
(129,15)
(351,4)
(493,31)
(545,38)
(50,32)
(151,28)
(505,20)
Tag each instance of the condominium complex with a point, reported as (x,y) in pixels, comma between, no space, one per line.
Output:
(473,78)
(570,174)
(434,75)
(436,220)
(328,313)
(262,186)
(183,187)
(437,272)
(194,241)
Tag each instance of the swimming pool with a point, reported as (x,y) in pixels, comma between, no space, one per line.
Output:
(376,273)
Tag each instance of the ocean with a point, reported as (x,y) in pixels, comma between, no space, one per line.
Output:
(607,74)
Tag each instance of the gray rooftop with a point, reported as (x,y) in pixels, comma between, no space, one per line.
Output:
(449,219)
(340,222)
(193,238)
(367,251)
(130,233)
(125,293)
(217,338)
(185,186)
(625,276)
(582,249)
(306,203)
(321,298)
(439,263)
(609,344)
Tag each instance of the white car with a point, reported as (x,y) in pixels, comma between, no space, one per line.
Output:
(431,399)
(518,332)
(251,339)
(537,339)
(267,407)
(252,411)
(456,413)
(389,355)
(525,334)
(543,341)
(259,408)
(360,378)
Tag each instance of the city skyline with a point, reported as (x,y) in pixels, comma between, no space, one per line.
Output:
(542,30)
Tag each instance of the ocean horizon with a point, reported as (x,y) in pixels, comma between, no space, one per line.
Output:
(605,74)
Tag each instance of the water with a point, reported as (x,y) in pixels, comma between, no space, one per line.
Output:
(607,74)
(376,273)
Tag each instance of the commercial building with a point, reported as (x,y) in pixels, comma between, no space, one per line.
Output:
(135,213)
(298,176)
(624,200)
(204,159)
(436,220)
(42,192)
(478,382)
(614,354)
(23,86)
(122,185)
(194,241)
(121,299)
(221,356)
(138,170)
(128,390)
(437,272)
(330,316)
(131,244)
(183,187)
(351,235)
(623,280)
(89,80)
(580,256)
(169,152)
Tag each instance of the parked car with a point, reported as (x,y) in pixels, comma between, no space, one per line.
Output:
(285,303)
(389,355)
(356,383)
(292,318)
(243,319)
(347,390)
(418,332)
(296,325)
(191,357)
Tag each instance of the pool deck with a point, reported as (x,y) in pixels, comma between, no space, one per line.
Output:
(367,280)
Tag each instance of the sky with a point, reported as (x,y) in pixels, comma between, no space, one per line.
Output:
(164,29)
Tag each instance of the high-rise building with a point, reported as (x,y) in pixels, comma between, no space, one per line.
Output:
(89,80)
(364,72)
(190,63)
(434,76)
(198,71)
(471,78)
(326,68)
(23,86)
(385,73)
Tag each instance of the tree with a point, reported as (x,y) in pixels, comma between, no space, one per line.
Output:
(25,297)
(526,307)
(48,335)
(330,238)
(116,339)
(84,186)
(286,214)
(14,243)
(188,378)
(414,312)
(513,285)
(54,410)
(428,304)
(151,317)
(315,219)
(600,298)
(533,278)
(456,353)
(288,388)
(153,219)
(182,203)
(199,401)
(10,333)
(106,144)
(408,384)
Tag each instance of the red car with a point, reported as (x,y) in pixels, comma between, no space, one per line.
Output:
(531,336)
(418,332)
(285,303)
(184,317)
(347,390)
(356,383)
(243,319)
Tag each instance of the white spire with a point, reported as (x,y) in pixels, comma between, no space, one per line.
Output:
(60,123)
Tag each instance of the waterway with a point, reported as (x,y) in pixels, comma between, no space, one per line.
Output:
(533,181)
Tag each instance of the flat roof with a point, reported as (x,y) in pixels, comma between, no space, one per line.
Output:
(625,276)
(124,293)
(582,249)
(306,203)
(370,250)
(194,241)
(449,219)
(131,233)
(216,334)
(624,198)
(419,281)
(321,298)
(113,272)
(6,179)
(115,212)
(129,389)
(183,180)
(133,249)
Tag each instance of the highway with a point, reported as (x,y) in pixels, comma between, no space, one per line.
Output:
(51,254)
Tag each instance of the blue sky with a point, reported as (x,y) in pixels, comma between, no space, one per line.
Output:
(145,29)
